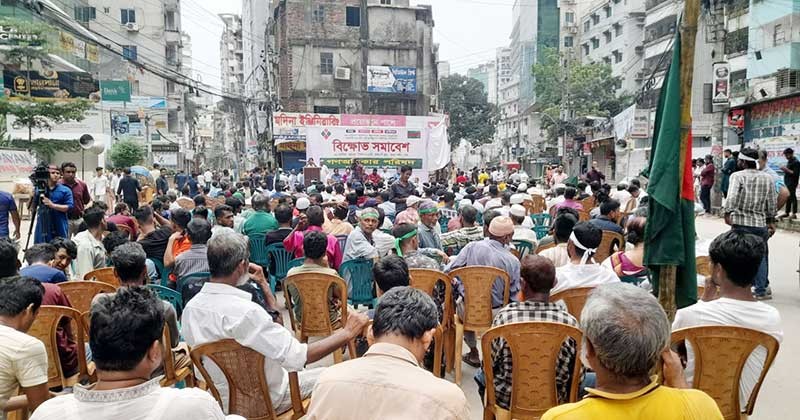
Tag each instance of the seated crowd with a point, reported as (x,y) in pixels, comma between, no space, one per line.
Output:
(209,254)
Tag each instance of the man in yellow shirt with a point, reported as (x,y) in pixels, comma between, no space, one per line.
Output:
(625,334)
(483,176)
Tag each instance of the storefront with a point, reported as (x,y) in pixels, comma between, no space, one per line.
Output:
(600,150)
(773,125)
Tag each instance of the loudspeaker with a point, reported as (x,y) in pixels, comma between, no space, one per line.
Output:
(86,141)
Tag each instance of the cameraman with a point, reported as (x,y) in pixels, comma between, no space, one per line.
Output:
(80,195)
(52,206)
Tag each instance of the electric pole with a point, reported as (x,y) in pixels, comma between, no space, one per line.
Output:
(716,33)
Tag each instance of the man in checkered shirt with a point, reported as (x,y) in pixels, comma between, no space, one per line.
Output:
(539,276)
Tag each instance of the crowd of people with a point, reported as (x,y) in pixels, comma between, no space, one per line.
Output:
(196,236)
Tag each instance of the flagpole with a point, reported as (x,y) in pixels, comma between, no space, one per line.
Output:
(668,273)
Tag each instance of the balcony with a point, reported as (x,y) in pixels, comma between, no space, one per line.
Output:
(650,4)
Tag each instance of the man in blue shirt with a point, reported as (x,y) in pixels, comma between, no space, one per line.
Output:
(52,208)
(609,213)
(192,183)
(180,180)
(39,258)
(8,206)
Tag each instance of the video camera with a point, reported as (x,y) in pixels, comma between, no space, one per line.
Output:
(40,177)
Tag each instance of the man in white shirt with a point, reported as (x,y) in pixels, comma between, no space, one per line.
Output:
(562,229)
(125,338)
(156,171)
(208,176)
(582,271)
(221,311)
(728,300)
(91,252)
(99,186)
(621,194)
(23,359)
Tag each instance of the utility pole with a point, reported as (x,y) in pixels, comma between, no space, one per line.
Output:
(716,33)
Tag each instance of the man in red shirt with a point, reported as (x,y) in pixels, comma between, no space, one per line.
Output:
(374,177)
(122,217)
(461,178)
(706,183)
(80,195)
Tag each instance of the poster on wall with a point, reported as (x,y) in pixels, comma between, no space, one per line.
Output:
(390,79)
(16,163)
(775,147)
(722,82)
(640,129)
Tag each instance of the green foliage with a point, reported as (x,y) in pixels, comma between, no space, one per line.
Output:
(45,149)
(126,153)
(42,115)
(472,117)
(21,54)
(591,89)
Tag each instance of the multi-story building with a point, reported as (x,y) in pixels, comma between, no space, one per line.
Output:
(355,56)
(231,54)
(229,118)
(443,69)
(503,60)
(486,73)
(611,33)
(255,20)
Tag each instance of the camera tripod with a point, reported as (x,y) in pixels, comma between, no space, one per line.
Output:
(45,218)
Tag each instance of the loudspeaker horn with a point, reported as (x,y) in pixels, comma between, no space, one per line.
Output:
(86,141)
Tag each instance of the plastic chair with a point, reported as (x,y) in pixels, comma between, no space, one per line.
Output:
(720,353)
(45,327)
(313,291)
(199,275)
(541,231)
(533,379)
(478,282)
(248,390)
(523,247)
(538,204)
(575,299)
(172,375)
(342,241)
(297,262)
(258,250)
(541,219)
(359,274)
(163,271)
(281,258)
(541,248)
(171,296)
(426,280)
(703,265)
(607,245)
(81,293)
(105,275)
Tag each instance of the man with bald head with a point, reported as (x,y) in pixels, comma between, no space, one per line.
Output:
(538,277)
(492,251)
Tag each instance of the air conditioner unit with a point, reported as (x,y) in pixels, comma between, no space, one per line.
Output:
(342,73)
(573,29)
(132,27)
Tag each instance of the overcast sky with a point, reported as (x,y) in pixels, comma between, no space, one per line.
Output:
(467,31)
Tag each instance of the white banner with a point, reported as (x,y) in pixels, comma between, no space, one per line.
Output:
(641,124)
(92,123)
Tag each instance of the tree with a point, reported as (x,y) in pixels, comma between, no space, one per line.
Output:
(472,117)
(127,153)
(43,115)
(585,90)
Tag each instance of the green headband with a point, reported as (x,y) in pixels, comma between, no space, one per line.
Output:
(428,210)
(368,212)
(397,241)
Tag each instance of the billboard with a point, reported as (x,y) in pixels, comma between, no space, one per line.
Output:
(115,90)
(50,84)
(640,129)
(92,123)
(391,79)
(722,82)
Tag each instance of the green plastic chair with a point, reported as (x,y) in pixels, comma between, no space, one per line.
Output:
(258,250)
(282,258)
(170,296)
(541,231)
(443,221)
(184,279)
(541,219)
(359,273)
(524,247)
(162,271)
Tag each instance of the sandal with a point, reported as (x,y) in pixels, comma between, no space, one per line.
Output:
(465,358)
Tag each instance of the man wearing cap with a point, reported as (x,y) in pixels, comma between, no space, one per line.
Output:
(492,252)
(582,271)
(301,205)
(520,198)
(406,246)
(359,241)
(429,236)
(751,208)
(791,175)
(410,213)
(261,221)
(467,231)
(518,215)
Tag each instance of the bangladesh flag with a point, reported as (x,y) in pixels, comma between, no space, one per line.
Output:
(669,234)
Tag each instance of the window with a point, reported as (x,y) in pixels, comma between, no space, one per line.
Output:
(778,35)
(85,13)
(586,25)
(353,17)
(127,16)
(320,109)
(387,3)
(569,17)
(106,10)
(585,49)
(595,19)
(617,56)
(325,63)
(608,11)
(607,35)
(169,20)
(318,14)
(568,41)
(129,52)
(607,60)
(617,29)
(595,43)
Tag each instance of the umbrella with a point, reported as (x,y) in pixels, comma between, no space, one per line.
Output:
(143,175)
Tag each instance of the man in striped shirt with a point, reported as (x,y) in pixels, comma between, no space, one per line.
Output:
(194,260)
(751,208)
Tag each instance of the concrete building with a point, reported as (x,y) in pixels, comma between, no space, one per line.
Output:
(255,20)
(231,54)
(229,117)
(503,60)
(486,73)
(443,68)
(355,56)
(611,33)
